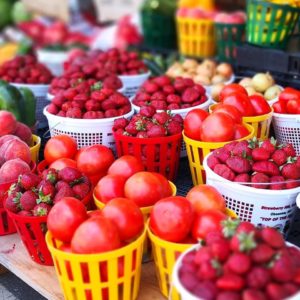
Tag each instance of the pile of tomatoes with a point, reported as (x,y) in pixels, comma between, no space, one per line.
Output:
(289,102)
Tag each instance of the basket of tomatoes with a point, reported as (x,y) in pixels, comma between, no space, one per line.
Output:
(96,256)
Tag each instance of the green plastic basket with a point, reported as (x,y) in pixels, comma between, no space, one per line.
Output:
(159,30)
(270,25)
(228,37)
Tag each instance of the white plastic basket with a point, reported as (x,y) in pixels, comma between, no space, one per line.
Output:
(86,132)
(40,92)
(208,87)
(274,208)
(287,129)
(54,60)
(133,82)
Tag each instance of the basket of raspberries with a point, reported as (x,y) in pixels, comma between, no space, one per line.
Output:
(243,262)
(153,137)
(259,179)
(87,112)
(30,200)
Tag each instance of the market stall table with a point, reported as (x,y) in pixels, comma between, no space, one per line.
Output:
(43,279)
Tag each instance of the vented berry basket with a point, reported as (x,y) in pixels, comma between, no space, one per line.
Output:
(287,129)
(86,132)
(159,155)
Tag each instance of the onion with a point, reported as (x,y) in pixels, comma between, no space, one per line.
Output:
(216,90)
(218,79)
(201,79)
(205,70)
(261,82)
(246,82)
(250,90)
(187,75)
(210,64)
(175,70)
(225,69)
(190,64)
(271,79)
(272,92)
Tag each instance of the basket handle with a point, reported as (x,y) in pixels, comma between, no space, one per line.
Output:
(45,135)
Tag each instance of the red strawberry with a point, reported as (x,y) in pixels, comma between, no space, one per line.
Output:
(243,242)
(283,269)
(263,253)
(252,294)
(174,128)
(177,118)
(200,89)
(47,192)
(12,203)
(161,117)
(291,184)
(156,131)
(69,174)
(231,282)
(204,254)
(208,270)
(52,109)
(258,278)
(159,105)
(190,95)
(173,106)
(81,97)
(92,105)
(28,200)
(120,123)
(158,96)
(269,145)
(238,164)
(277,182)
(147,111)
(223,171)
(179,84)
(74,113)
(260,154)
(291,288)
(29,181)
(258,181)
(205,290)
(66,106)
(220,249)
(222,154)
(142,135)
(276,291)
(266,167)
(245,227)
(272,237)
(70,93)
(289,150)
(119,99)
(108,104)
(142,97)
(162,80)
(65,191)
(131,129)
(81,190)
(173,99)
(228,296)
(244,177)
(111,113)
(242,149)
(168,89)
(279,157)
(239,263)
(50,175)
(61,184)
(230,146)
(212,161)
(25,213)
(291,171)
(41,209)
(91,115)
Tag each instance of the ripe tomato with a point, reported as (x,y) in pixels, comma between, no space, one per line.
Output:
(96,235)
(231,111)
(165,185)
(126,215)
(260,105)
(144,188)
(240,131)
(65,217)
(205,197)
(241,102)
(280,107)
(126,166)
(232,89)
(95,213)
(60,146)
(218,127)
(206,222)
(292,106)
(289,94)
(171,218)
(109,187)
(192,123)
(94,160)
(63,163)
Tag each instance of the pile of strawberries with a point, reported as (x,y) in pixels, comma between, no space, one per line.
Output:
(25,69)
(262,165)
(243,262)
(89,100)
(149,124)
(35,195)
(164,94)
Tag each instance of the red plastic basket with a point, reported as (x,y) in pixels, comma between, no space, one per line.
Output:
(32,231)
(157,154)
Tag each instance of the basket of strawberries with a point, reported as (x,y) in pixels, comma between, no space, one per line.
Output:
(153,137)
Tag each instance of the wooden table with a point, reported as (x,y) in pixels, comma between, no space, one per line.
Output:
(14,257)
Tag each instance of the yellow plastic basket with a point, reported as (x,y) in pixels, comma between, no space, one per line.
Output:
(8,51)
(35,148)
(261,124)
(110,275)
(165,255)
(197,151)
(196,37)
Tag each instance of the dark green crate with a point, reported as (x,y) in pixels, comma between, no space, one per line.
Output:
(270,25)
(159,30)
(228,37)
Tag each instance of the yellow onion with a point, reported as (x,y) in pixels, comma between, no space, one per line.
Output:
(225,69)
(216,90)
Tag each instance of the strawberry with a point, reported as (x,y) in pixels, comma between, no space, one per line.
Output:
(290,288)
(177,118)
(147,111)
(213,237)
(244,177)
(25,213)
(41,209)
(142,97)
(70,94)
(272,237)
(252,294)
(81,190)
(243,242)
(29,181)
(47,192)
(276,291)
(291,171)
(179,84)
(81,97)
(228,296)
(173,106)
(173,99)
(74,113)
(156,131)
(190,95)
(161,118)
(168,89)
(289,150)
(260,154)
(61,184)
(52,109)
(222,154)
(263,253)
(277,182)
(205,290)
(283,269)
(279,157)
(258,181)
(69,174)
(65,191)
(120,123)
(239,263)
(258,277)
(291,184)
(242,149)
(91,115)
(107,104)
(50,175)
(119,100)
(162,81)
(150,87)
(28,200)
(269,145)
(230,282)
(245,227)
(159,105)
(212,161)
(131,129)
(223,171)
(266,167)
(238,164)
(208,270)
(66,106)
(174,128)
(204,254)
(220,250)
(92,105)
(111,113)
(12,203)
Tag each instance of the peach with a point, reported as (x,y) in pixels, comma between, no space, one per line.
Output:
(8,123)
(6,138)
(11,170)
(15,149)
(24,133)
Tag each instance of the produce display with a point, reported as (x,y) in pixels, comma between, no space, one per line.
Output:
(289,102)
(241,262)
(165,94)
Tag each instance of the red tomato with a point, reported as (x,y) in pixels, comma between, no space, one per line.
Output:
(63,163)
(231,111)
(192,123)
(205,197)
(292,106)
(126,166)
(126,215)
(171,219)
(260,105)
(94,160)
(165,185)
(231,89)
(206,222)
(218,127)
(280,107)
(241,102)
(95,213)
(96,235)
(60,146)
(144,188)
(109,187)
(64,218)
(240,131)
(289,94)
